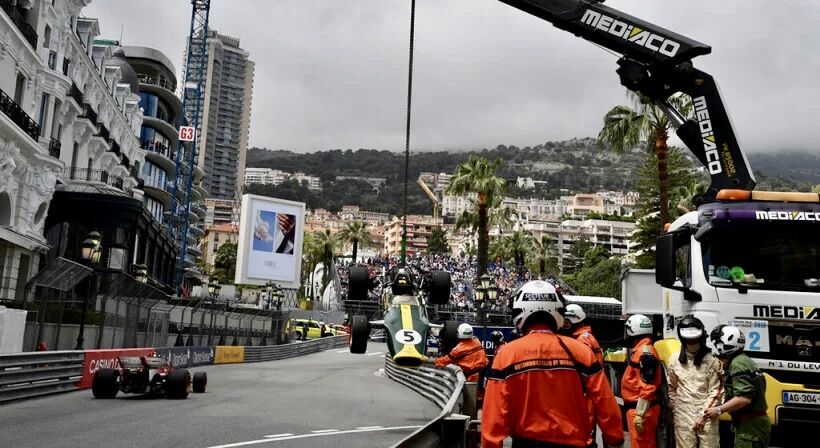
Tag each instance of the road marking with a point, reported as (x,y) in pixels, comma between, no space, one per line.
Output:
(305,436)
(341,351)
(375,353)
(320,431)
(370,427)
(284,434)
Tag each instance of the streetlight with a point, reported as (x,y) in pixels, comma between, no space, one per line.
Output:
(90,253)
(485,290)
(213,291)
(141,273)
(269,287)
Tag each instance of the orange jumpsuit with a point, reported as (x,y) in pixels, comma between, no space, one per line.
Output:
(583,334)
(634,387)
(538,389)
(468,355)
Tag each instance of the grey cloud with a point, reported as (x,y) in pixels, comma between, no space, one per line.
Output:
(332,73)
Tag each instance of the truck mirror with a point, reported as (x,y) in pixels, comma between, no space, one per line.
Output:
(665,269)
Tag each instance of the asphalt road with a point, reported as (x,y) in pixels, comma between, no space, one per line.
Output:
(328,399)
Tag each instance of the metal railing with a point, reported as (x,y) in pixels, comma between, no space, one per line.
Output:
(74,173)
(445,388)
(160,82)
(88,112)
(74,93)
(20,22)
(29,375)
(54,146)
(19,116)
(276,352)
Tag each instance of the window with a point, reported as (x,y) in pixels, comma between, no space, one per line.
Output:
(43,114)
(19,89)
(47,37)
(683,265)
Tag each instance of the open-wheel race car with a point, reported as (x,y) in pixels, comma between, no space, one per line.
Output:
(147,375)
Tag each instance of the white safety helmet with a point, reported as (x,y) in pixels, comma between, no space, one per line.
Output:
(638,325)
(727,340)
(575,314)
(465,331)
(537,296)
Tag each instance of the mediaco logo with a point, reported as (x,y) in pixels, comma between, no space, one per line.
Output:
(787,312)
(708,134)
(787,216)
(631,33)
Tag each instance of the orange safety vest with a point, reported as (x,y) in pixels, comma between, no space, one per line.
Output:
(468,355)
(538,389)
(584,335)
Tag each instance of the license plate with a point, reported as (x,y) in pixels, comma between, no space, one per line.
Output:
(803,398)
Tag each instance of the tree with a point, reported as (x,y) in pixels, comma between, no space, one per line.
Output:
(602,277)
(544,251)
(225,263)
(575,257)
(478,175)
(437,242)
(626,127)
(516,246)
(355,233)
(325,246)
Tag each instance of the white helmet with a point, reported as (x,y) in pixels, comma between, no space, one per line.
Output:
(537,296)
(465,331)
(637,325)
(575,314)
(727,340)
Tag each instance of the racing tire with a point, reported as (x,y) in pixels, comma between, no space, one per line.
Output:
(358,283)
(106,383)
(178,384)
(359,334)
(449,336)
(439,288)
(200,382)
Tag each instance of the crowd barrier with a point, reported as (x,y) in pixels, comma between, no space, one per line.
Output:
(445,388)
(34,374)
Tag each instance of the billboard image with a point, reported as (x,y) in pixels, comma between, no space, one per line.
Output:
(270,234)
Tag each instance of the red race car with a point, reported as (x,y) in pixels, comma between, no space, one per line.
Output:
(147,375)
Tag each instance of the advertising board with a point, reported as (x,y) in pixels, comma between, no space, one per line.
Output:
(106,359)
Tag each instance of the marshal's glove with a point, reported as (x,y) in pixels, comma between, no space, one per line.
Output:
(640,412)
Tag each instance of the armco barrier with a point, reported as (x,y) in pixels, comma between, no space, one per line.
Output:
(274,352)
(443,387)
(227,354)
(28,375)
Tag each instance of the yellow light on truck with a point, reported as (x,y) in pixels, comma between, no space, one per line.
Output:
(775,196)
(734,195)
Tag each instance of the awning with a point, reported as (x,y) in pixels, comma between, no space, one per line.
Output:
(21,240)
(61,274)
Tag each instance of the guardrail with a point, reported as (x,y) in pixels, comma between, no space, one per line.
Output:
(29,375)
(445,388)
(275,352)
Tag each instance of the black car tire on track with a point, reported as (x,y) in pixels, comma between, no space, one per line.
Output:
(200,382)
(178,384)
(105,383)
(439,288)
(449,336)
(358,283)
(360,333)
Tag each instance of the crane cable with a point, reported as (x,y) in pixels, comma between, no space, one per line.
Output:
(407,131)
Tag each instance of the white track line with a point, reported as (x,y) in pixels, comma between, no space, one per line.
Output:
(341,351)
(305,436)
(321,431)
(375,353)
(284,434)
(370,427)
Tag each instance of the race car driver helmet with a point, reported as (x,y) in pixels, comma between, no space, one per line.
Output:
(537,297)
(465,331)
(727,340)
(497,337)
(402,283)
(692,336)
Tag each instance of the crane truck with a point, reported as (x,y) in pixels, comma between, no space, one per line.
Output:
(745,257)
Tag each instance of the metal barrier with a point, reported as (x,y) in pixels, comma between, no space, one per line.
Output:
(29,375)
(275,352)
(444,387)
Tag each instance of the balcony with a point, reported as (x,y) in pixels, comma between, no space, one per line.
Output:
(103,132)
(20,22)
(115,148)
(159,82)
(83,174)
(89,114)
(54,146)
(19,116)
(75,94)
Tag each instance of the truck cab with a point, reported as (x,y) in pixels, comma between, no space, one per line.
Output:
(752,260)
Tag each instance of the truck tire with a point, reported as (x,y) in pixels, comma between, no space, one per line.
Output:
(448,336)
(106,383)
(360,333)
(358,283)
(178,384)
(200,382)
(439,288)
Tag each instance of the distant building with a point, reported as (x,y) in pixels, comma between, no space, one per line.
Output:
(265,176)
(314,183)
(215,237)
(375,182)
(419,229)
(615,236)
(220,211)
(454,206)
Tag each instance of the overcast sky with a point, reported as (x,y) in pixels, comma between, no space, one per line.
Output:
(333,73)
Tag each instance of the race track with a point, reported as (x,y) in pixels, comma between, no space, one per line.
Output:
(328,399)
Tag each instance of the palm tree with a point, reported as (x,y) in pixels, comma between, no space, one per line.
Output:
(497,216)
(477,175)
(686,194)
(545,254)
(519,244)
(325,245)
(355,233)
(626,127)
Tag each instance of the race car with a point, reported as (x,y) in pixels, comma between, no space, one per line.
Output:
(147,375)
(407,327)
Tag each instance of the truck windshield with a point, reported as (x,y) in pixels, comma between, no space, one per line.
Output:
(770,255)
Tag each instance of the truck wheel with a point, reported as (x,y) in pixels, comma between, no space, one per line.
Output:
(178,384)
(449,336)
(106,383)
(200,382)
(358,283)
(439,288)
(360,333)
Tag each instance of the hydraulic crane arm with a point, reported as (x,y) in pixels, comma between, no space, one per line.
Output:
(657,63)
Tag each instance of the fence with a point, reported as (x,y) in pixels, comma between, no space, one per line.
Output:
(445,388)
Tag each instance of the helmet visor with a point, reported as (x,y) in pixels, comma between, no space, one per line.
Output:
(691,333)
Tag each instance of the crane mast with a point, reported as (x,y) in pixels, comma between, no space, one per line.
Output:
(186,154)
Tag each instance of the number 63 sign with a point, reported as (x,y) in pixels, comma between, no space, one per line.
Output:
(187,133)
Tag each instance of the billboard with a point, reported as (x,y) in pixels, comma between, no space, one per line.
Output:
(270,241)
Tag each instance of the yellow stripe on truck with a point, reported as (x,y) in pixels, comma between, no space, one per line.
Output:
(226,354)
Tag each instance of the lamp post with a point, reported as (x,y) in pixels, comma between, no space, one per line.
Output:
(90,254)
(269,287)
(482,293)
(213,291)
